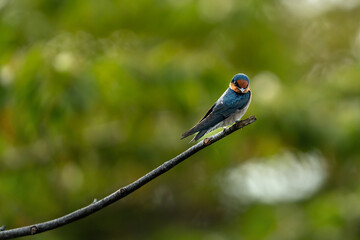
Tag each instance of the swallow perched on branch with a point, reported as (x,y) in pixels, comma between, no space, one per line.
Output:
(229,108)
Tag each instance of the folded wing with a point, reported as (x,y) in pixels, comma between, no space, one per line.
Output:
(221,110)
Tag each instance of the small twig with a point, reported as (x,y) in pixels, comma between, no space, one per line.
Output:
(122,192)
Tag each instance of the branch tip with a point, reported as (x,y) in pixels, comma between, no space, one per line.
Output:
(245,122)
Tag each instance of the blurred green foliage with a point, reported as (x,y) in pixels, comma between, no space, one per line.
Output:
(94,94)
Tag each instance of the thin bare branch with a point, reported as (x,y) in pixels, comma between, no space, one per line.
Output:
(122,192)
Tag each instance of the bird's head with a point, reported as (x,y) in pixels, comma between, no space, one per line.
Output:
(240,83)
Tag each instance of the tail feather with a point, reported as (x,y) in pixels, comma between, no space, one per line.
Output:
(190,132)
(199,135)
(186,134)
(199,126)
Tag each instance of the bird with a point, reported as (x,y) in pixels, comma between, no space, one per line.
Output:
(228,109)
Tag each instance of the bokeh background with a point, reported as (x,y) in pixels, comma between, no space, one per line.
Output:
(94,94)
